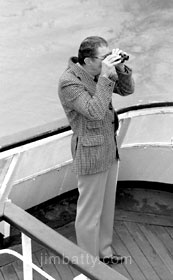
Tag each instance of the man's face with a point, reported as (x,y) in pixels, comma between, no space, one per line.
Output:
(96,64)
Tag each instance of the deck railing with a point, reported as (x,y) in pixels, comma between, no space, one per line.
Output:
(127,112)
(53,241)
(36,230)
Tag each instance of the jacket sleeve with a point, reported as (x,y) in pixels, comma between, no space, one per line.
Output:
(124,83)
(74,95)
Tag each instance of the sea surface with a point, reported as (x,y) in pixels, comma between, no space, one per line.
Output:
(38,37)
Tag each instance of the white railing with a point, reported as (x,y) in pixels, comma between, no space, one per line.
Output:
(6,187)
(27,265)
(54,242)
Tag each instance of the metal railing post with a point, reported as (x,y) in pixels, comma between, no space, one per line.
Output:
(27,255)
(5,190)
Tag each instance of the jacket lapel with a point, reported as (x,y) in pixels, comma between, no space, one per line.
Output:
(83,76)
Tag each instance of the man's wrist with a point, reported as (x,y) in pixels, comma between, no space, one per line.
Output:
(120,67)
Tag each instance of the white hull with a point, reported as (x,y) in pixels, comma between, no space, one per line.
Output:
(147,147)
(43,168)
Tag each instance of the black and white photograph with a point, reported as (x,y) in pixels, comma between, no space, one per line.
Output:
(86,140)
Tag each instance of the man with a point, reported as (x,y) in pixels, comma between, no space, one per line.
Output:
(85,91)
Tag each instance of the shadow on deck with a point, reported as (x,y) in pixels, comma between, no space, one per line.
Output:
(143,233)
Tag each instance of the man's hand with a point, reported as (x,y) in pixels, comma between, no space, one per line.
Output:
(111,62)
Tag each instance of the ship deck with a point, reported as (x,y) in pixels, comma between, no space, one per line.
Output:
(143,233)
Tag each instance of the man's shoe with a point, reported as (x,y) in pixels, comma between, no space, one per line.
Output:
(115,259)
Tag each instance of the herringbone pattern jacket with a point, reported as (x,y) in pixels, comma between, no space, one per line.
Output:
(88,107)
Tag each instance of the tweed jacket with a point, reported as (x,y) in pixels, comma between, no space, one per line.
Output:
(88,107)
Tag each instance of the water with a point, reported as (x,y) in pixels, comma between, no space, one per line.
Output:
(38,37)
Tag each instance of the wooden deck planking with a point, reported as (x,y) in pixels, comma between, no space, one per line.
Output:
(122,270)
(170,231)
(9,273)
(148,251)
(46,264)
(18,267)
(149,246)
(64,270)
(158,247)
(131,266)
(74,271)
(36,275)
(148,218)
(164,237)
(136,252)
(1,276)
(145,237)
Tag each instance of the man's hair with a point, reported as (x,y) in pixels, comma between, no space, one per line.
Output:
(89,46)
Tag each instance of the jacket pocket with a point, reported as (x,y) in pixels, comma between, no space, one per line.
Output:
(90,153)
(92,140)
(94,124)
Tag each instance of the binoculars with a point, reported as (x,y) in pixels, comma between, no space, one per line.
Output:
(124,57)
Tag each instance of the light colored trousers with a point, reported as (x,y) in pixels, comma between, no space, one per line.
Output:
(95,211)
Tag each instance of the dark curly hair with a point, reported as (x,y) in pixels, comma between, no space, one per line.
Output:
(89,46)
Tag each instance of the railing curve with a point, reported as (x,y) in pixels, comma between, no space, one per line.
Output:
(56,243)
